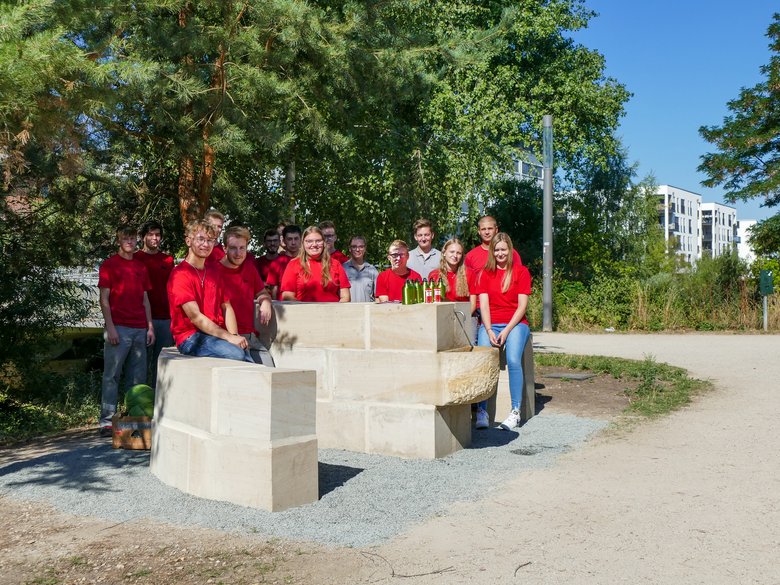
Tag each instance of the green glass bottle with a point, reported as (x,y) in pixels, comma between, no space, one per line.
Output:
(418,286)
(409,294)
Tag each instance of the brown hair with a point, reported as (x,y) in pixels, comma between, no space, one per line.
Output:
(490,265)
(398,244)
(461,282)
(237,231)
(304,256)
(421,223)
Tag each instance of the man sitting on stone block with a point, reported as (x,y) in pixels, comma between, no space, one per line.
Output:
(202,319)
(243,286)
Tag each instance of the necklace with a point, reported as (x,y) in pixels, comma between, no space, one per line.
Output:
(202,278)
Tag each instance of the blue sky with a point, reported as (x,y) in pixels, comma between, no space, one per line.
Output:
(683,60)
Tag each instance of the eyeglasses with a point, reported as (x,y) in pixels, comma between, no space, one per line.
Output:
(202,240)
(314,242)
(329,237)
(397,255)
(357,247)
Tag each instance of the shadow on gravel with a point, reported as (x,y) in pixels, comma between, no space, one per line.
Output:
(494,437)
(81,469)
(335,476)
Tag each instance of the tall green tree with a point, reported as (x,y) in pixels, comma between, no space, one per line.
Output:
(746,161)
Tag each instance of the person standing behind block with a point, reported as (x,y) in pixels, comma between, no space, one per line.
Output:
(424,258)
(123,282)
(159,265)
(456,278)
(477,257)
(329,233)
(504,288)
(314,276)
(267,265)
(216,220)
(244,286)
(390,282)
(291,237)
(362,275)
(203,323)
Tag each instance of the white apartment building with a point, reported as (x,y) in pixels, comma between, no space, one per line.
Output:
(679,213)
(744,247)
(718,228)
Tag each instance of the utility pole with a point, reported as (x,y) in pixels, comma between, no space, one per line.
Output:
(547,220)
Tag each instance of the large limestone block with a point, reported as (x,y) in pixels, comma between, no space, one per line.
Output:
(413,377)
(266,404)
(305,358)
(342,425)
(426,327)
(417,431)
(320,325)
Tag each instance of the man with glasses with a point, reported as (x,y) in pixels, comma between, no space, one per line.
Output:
(124,284)
(362,275)
(390,283)
(328,229)
(202,319)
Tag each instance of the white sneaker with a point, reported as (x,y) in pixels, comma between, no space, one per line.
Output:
(483,421)
(512,421)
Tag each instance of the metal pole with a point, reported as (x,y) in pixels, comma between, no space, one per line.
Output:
(547,213)
(766,314)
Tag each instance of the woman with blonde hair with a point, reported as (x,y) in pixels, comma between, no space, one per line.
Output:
(504,288)
(313,276)
(456,278)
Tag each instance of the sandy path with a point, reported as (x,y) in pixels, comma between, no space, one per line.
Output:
(692,498)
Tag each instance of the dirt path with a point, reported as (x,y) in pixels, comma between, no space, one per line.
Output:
(692,498)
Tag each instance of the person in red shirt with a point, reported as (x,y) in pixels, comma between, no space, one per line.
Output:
(291,236)
(454,275)
(244,287)
(202,319)
(159,265)
(124,301)
(314,276)
(504,288)
(217,221)
(477,257)
(329,233)
(390,282)
(267,265)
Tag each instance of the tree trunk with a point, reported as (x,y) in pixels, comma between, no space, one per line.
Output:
(289,188)
(189,205)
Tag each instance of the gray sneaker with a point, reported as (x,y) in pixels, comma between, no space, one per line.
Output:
(483,421)
(512,421)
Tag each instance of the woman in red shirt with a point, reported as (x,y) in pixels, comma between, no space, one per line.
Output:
(313,276)
(503,288)
(454,275)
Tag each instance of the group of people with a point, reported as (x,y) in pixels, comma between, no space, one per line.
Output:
(209,303)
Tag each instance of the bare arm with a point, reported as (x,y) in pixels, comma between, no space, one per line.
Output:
(265,307)
(208,326)
(149,323)
(288,296)
(344,295)
(522,305)
(111,335)
(383,298)
(484,308)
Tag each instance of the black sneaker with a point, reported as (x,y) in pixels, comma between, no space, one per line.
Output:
(106,432)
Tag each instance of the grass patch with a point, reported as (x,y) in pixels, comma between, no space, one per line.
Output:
(656,388)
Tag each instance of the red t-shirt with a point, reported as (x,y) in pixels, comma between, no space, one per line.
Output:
(339,256)
(281,263)
(159,266)
(476,258)
(309,288)
(190,284)
(217,253)
(127,281)
(452,277)
(504,304)
(241,286)
(269,270)
(390,285)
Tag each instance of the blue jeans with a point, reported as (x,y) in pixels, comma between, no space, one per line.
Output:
(514,346)
(162,338)
(200,344)
(128,355)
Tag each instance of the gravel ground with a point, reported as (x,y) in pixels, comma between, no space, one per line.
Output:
(364,499)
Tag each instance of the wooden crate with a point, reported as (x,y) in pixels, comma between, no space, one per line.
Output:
(132,432)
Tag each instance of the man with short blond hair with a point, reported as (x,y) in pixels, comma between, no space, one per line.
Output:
(244,287)
(424,258)
(202,319)
(487,227)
